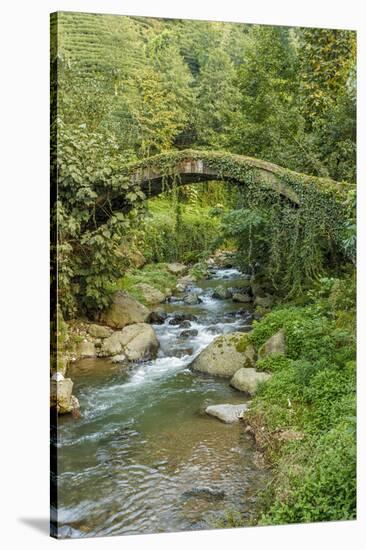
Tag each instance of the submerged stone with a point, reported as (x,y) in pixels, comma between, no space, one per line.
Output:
(188,333)
(222,293)
(192,299)
(227,413)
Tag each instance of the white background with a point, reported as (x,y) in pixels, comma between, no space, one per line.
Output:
(24,268)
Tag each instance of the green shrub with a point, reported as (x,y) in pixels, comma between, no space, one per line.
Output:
(273,363)
(312,392)
(308,334)
(320,481)
(330,396)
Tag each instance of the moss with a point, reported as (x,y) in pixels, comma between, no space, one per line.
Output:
(155,275)
(242,343)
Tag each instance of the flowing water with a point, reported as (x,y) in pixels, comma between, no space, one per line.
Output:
(144,457)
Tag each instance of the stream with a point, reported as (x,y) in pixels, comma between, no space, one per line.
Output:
(144,457)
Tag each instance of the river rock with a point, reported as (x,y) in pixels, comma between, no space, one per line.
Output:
(180,287)
(177,268)
(192,299)
(247,380)
(222,293)
(99,331)
(225,355)
(142,342)
(150,294)
(213,329)
(57,376)
(187,280)
(185,324)
(157,317)
(61,394)
(118,358)
(112,345)
(227,413)
(241,297)
(124,311)
(182,352)
(137,342)
(205,492)
(86,349)
(188,333)
(273,346)
(180,317)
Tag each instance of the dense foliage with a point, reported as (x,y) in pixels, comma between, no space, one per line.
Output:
(311,394)
(132,87)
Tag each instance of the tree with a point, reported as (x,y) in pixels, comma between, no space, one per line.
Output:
(268,123)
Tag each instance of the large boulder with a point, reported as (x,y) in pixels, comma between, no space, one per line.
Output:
(247,380)
(273,346)
(225,355)
(61,397)
(222,293)
(136,342)
(151,294)
(124,310)
(99,331)
(86,349)
(113,345)
(227,413)
(177,268)
(141,342)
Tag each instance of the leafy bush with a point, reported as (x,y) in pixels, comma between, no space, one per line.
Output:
(309,335)
(320,480)
(312,394)
(273,363)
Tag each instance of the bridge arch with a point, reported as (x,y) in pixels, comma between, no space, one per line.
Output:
(154,175)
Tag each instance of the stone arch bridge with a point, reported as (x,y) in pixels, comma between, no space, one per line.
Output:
(152,176)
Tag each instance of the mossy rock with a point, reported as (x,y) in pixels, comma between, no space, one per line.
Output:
(273,346)
(225,355)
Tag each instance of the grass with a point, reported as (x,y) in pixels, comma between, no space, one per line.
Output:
(155,275)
